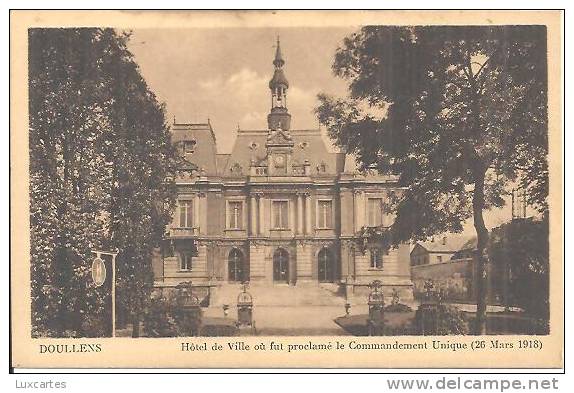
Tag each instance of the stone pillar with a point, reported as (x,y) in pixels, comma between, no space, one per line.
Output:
(304,263)
(359,212)
(260,218)
(356,210)
(362,209)
(308,213)
(299,214)
(199,264)
(344,260)
(256,262)
(202,213)
(196,211)
(291,205)
(253,211)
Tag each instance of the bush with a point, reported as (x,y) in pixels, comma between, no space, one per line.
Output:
(440,319)
(95,326)
(451,321)
(219,331)
(158,319)
(398,307)
(540,326)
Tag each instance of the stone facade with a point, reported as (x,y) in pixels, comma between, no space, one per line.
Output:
(279,209)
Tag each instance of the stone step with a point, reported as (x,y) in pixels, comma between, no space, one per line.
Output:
(280,295)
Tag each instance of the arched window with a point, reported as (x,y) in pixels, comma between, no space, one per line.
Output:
(235,265)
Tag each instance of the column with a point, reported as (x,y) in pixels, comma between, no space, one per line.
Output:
(291,205)
(261,213)
(196,211)
(256,261)
(199,264)
(299,213)
(356,210)
(304,263)
(308,212)
(362,208)
(253,211)
(202,213)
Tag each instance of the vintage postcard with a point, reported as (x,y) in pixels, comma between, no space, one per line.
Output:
(286,189)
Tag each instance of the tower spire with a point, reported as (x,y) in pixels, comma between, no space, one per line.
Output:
(279,116)
(278,62)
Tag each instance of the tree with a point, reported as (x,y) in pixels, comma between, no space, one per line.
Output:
(520,247)
(99,154)
(459,113)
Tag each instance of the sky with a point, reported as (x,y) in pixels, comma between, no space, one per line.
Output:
(223,74)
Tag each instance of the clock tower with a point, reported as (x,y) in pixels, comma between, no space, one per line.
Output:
(279,116)
(279,141)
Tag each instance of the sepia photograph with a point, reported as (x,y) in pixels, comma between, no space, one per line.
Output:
(270,180)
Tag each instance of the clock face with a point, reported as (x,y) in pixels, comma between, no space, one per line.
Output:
(279,161)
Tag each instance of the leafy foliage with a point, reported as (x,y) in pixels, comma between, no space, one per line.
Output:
(99,153)
(398,307)
(523,250)
(440,319)
(158,317)
(459,113)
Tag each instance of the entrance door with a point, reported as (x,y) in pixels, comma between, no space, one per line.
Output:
(326,266)
(281,265)
(235,266)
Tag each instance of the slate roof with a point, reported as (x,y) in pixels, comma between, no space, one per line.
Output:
(308,145)
(278,79)
(221,161)
(204,155)
(251,145)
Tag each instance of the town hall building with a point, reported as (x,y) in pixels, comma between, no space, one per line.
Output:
(280,209)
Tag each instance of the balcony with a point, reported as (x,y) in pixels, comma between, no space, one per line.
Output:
(183,233)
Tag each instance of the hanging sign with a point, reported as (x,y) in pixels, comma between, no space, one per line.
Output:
(98,272)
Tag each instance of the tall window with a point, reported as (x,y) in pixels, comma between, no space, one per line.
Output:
(186,214)
(185,261)
(375,212)
(280,214)
(325,214)
(235,215)
(235,265)
(377,258)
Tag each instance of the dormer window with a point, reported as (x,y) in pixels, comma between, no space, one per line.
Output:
(189,147)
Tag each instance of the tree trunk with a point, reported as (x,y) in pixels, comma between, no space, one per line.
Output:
(135,324)
(481,257)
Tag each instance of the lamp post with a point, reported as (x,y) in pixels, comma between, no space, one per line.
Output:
(99,276)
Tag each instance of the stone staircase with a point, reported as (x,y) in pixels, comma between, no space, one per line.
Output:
(281,295)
